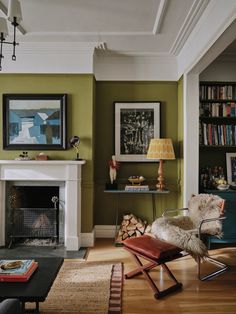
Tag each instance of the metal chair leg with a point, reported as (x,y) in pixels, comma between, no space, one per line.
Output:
(223,268)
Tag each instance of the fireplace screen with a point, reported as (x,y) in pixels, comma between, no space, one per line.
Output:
(33,213)
(32,222)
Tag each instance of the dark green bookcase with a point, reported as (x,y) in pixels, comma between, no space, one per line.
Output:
(229,224)
(217,107)
(217,115)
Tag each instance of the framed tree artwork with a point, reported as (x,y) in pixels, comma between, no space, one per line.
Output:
(136,123)
(34,121)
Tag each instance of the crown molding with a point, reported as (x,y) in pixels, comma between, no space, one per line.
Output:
(188,25)
(57,47)
(220,21)
(161,11)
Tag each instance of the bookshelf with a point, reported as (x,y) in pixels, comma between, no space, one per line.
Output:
(217,127)
(217,114)
(217,136)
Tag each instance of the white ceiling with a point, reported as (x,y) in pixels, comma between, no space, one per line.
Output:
(133,27)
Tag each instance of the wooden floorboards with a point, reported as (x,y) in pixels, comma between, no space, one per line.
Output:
(216,296)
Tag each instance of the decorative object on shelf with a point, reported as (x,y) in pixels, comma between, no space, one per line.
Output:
(114,165)
(42,156)
(231,168)
(136,184)
(34,121)
(161,148)
(211,177)
(14,15)
(23,156)
(75,142)
(135,124)
(136,180)
(223,187)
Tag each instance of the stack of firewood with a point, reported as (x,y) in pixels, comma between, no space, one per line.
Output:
(132,226)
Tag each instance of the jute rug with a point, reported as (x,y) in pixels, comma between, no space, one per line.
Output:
(85,288)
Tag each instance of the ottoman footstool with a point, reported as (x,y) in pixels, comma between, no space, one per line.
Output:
(156,253)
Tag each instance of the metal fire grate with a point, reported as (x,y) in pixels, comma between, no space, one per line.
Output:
(34,223)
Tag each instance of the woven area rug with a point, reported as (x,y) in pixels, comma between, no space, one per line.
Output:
(85,288)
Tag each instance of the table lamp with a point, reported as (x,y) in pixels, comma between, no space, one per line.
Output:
(162,149)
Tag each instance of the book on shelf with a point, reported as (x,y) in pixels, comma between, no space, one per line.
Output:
(19,277)
(136,188)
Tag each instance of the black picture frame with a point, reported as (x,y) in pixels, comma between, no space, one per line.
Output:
(136,123)
(34,121)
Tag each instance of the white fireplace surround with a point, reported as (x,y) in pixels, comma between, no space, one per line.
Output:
(68,172)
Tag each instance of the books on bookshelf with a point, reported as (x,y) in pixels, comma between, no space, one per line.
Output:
(217,134)
(136,188)
(17,271)
(217,91)
(216,109)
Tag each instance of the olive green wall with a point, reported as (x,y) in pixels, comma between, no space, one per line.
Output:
(106,94)
(91,116)
(180,142)
(80,90)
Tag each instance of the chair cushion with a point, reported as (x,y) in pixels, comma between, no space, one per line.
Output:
(152,248)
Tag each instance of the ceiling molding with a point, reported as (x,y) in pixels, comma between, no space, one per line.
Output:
(58,48)
(132,53)
(188,25)
(161,11)
(58,34)
(3,8)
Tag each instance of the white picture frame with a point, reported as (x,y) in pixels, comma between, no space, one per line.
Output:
(231,168)
(136,123)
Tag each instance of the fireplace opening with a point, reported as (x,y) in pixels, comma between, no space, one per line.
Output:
(33,215)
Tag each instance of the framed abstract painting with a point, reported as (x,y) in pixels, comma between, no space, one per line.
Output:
(34,121)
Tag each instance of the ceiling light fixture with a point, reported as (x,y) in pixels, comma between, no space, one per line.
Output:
(15,17)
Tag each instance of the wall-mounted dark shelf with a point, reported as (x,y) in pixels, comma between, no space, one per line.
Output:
(220,119)
(220,147)
(217,100)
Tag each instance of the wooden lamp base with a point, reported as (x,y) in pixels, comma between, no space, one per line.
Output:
(160,179)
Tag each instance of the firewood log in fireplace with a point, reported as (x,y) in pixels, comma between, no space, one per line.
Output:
(42,222)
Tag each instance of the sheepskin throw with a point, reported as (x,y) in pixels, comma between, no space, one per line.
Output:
(181,230)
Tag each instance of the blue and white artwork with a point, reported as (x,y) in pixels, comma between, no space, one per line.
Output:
(34,122)
(233,168)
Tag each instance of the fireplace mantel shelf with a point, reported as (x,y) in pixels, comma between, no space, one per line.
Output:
(44,162)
